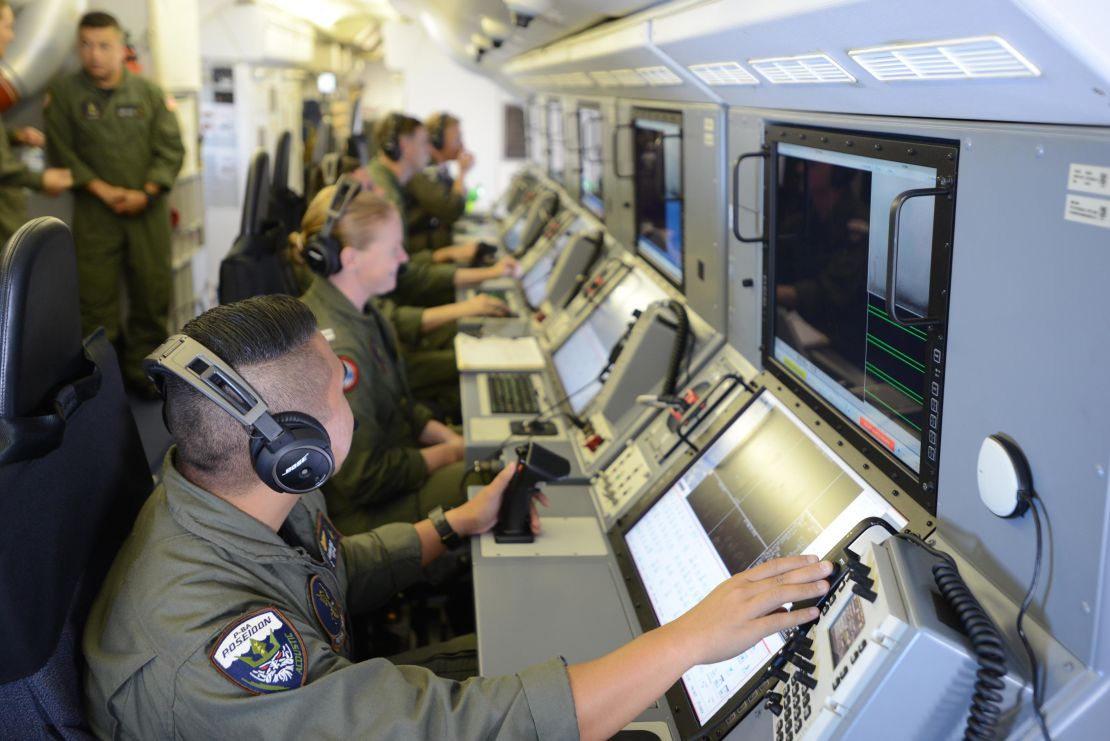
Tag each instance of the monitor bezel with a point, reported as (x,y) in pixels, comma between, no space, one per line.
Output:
(943,156)
(660,115)
(596,108)
(919,522)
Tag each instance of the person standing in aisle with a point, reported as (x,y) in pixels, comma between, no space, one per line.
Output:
(14,175)
(118,134)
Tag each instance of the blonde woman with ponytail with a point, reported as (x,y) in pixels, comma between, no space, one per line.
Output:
(403,462)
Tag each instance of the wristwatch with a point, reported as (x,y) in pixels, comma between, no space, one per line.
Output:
(447,534)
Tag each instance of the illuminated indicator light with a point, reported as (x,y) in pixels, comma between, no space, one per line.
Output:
(876,433)
(795,368)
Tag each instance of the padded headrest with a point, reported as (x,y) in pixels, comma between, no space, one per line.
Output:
(256,200)
(40,318)
(281,161)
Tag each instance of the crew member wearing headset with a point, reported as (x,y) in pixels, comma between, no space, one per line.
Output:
(225,613)
(403,462)
(436,199)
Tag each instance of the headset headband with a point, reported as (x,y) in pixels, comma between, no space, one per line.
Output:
(183,357)
(346,190)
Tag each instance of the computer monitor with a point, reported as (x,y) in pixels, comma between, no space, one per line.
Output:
(590,164)
(657,191)
(534,282)
(765,487)
(830,330)
(582,357)
(556,142)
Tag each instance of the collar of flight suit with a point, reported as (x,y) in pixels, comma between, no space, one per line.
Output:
(216,520)
(335,300)
(124,81)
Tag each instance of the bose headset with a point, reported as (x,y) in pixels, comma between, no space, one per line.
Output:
(290,451)
(321,254)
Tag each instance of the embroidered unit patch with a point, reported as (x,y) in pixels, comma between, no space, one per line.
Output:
(327,539)
(350,373)
(328,611)
(261,652)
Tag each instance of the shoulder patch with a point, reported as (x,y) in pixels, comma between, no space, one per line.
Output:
(350,373)
(329,334)
(328,611)
(261,652)
(327,540)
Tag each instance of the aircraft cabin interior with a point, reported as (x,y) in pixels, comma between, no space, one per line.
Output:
(515,369)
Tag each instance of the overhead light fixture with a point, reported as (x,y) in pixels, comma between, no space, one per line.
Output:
(659,76)
(718,74)
(801,69)
(628,78)
(952,59)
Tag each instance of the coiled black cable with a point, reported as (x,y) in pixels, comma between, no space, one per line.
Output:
(986,642)
(678,352)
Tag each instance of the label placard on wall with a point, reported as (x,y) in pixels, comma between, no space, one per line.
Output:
(1087,210)
(1089,179)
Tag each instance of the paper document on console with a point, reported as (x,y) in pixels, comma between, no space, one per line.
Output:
(497,353)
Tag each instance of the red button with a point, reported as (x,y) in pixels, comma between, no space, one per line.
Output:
(594,442)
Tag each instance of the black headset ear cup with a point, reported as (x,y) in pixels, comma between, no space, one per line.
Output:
(390,144)
(300,460)
(321,254)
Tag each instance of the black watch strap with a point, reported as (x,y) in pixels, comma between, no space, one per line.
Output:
(446,533)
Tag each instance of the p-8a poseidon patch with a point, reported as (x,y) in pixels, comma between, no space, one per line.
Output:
(262,652)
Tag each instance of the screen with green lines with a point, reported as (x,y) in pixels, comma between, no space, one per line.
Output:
(831,326)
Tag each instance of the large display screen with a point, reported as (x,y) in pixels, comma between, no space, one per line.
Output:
(590,165)
(766,487)
(831,323)
(657,191)
(534,282)
(580,360)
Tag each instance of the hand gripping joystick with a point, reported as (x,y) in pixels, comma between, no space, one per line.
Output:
(535,465)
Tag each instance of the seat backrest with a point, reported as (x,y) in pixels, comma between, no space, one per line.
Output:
(286,205)
(72,478)
(282,154)
(256,199)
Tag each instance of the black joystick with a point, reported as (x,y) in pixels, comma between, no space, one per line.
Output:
(535,465)
(484,255)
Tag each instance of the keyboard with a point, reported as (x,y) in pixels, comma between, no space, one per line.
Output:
(512,393)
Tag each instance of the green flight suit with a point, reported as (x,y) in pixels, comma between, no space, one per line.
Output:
(127,137)
(430,359)
(434,207)
(422,282)
(14,177)
(385,478)
(211,625)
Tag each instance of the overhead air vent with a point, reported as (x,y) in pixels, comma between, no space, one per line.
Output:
(629,78)
(807,68)
(604,78)
(723,73)
(954,59)
(659,76)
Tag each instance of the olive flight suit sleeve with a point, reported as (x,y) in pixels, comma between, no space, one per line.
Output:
(380,563)
(425,284)
(167,151)
(60,132)
(373,699)
(12,171)
(434,199)
(377,468)
(406,320)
